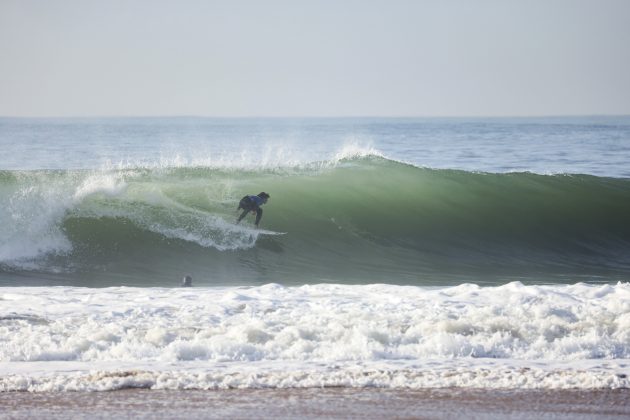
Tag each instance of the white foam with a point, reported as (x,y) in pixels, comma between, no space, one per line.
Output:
(31,216)
(207,231)
(34,209)
(430,373)
(318,335)
(107,183)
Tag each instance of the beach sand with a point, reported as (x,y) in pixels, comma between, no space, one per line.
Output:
(364,403)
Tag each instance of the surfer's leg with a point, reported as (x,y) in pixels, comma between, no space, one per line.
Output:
(258,215)
(242,215)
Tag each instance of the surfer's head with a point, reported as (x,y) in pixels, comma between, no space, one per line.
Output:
(264,196)
(187,281)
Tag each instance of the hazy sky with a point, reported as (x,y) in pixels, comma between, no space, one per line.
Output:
(314,58)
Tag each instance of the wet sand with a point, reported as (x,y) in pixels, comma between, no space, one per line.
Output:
(364,403)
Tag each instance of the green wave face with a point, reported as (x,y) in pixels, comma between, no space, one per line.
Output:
(357,221)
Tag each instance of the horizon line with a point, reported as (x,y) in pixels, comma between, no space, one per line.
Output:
(114,116)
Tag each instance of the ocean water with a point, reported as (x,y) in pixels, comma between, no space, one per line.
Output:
(402,253)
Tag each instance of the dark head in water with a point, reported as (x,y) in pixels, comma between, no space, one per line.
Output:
(187,281)
(252,203)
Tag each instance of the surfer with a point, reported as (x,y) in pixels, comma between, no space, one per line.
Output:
(252,203)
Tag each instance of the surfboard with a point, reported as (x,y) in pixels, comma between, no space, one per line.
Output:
(269,232)
(246,227)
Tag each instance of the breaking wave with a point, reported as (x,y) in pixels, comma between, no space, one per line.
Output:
(358,218)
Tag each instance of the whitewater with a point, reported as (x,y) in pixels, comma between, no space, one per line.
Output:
(58,339)
(475,253)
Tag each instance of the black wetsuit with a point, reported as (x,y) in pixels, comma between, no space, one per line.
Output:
(251,203)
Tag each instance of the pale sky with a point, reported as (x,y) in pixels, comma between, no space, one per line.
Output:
(314,58)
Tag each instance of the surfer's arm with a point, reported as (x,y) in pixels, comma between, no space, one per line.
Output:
(259,213)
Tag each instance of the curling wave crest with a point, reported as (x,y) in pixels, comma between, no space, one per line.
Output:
(358,218)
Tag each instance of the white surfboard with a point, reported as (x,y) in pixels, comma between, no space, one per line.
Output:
(269,232)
